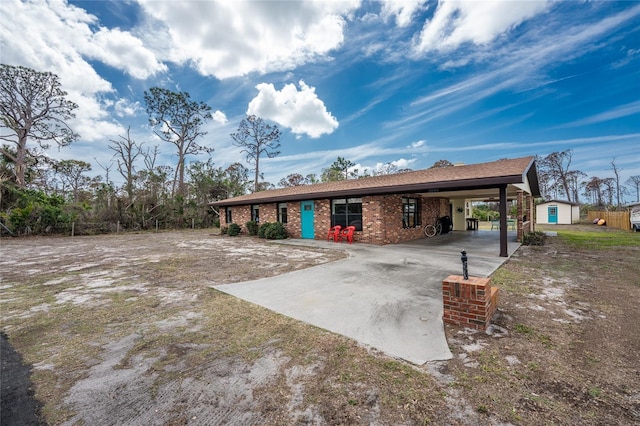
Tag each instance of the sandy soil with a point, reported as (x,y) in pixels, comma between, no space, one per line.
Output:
(126,330)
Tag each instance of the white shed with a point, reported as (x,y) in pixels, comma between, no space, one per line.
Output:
(557,212)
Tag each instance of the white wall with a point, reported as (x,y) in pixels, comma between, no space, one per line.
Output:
(567,214)
(459,219)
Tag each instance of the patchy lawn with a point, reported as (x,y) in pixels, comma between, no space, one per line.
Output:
(565,348)
(126,329)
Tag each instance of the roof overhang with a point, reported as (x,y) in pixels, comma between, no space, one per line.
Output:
(474,188)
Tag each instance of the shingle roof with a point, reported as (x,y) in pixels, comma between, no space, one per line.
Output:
(501,172)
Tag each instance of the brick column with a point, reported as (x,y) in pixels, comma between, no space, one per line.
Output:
(469,303)
(519,215)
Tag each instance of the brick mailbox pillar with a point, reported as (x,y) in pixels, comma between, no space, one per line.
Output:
(469,303)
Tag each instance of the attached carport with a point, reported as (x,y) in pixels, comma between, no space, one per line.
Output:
(386,297)
(499,180)
(463,195)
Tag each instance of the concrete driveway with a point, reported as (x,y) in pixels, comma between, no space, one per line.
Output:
(387,297)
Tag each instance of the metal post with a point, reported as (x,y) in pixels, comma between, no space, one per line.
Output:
(465,270)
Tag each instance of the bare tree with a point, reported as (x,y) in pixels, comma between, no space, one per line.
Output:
(256,137)
(609,184)
(557,166)
(634,182)
(574,179)
(32,107)
(126,151)
(107,169)
(618,185)
(178,120)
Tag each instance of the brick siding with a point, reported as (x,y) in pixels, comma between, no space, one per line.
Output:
(469,303)
(381,218)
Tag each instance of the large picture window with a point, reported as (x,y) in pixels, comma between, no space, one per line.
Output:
(410,212)
(282,212)
(347,212)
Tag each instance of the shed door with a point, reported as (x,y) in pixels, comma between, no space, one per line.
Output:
(306,219)
(553,214)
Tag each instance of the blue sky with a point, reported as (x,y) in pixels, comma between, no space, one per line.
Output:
(402,82)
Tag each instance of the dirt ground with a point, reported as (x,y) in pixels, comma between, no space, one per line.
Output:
(126,329)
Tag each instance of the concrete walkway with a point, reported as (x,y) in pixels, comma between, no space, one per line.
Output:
(387,297)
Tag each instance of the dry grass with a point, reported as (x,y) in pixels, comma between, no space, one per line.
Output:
(137,315)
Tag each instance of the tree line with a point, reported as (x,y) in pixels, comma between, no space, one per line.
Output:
(559,180)
(41,195)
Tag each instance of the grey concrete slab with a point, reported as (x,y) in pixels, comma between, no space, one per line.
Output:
(387,297)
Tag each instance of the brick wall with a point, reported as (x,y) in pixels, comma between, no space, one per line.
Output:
(239,215)
(381,218)
(469,303)
(293,220)
(321,219)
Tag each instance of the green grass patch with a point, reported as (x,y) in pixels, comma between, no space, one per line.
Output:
(595,392)
(511,281)
(524,329)
(600,240)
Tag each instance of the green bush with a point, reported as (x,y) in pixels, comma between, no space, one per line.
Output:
(263,229)
(274,231)
(38,213)
(224,230)
(485,212)
(536,238)
(252,227)
(233,230)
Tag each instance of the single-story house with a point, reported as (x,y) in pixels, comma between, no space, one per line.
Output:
(557,212)
(393,208)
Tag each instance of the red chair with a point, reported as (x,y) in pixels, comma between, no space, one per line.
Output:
(348,234)
(334,233)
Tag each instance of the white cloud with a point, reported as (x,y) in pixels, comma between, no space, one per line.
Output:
(626,110)
(125,108)
(219,117)
(459,21)
(301,111)
(233,38)
(58,37)
(122,50)
(393,166)
(418,144)
(402,10)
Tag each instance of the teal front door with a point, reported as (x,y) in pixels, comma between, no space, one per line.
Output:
(306,219)
(553,214)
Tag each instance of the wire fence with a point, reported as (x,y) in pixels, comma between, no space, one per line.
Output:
(78,228)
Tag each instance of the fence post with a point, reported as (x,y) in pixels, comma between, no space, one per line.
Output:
(73,228)
(193,223)
(156,225)
(118,228)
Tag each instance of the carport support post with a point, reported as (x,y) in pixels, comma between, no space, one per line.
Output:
(503,222)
